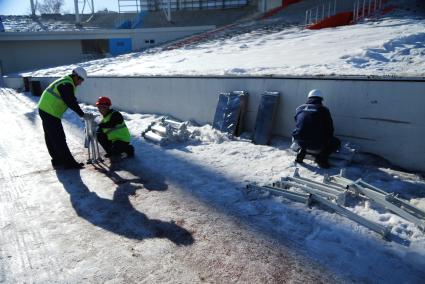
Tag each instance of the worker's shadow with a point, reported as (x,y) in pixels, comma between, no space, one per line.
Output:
(152,181)
(118,215)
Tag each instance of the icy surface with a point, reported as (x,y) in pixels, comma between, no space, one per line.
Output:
(181,213)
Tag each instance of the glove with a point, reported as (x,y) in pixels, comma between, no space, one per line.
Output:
(88,116)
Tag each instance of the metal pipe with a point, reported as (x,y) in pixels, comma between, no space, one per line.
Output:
(368,10)
(339,197)
(77,14)
(309,16)
(169,11)
(32,8)
(378,228)
(294,196)
(329,9)
(324,187)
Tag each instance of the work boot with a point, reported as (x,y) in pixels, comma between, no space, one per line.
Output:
(301,155)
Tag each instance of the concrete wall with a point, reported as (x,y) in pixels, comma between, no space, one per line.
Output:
(19,56)
(384,117)
(161,35)
(35,50)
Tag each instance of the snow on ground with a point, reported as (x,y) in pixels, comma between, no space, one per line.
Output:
(199,223)
(389,46)
(202,178)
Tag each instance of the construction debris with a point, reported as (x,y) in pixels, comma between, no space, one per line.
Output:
(167,130)
(332,193)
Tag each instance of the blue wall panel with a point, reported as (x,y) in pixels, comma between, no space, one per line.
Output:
(119,45)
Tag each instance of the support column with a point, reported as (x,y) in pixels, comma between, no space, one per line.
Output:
(77,14)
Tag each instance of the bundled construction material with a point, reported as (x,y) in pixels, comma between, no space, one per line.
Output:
(265,118)
(229,114)
(332,193)
(167,130)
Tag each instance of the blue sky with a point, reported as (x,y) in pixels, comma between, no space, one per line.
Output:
(23,7)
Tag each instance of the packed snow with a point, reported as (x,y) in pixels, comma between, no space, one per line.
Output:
(215,169)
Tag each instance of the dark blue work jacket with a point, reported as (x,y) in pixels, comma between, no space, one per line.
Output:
(314,125)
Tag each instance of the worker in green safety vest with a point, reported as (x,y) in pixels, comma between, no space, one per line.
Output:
(112,132)
(55,100)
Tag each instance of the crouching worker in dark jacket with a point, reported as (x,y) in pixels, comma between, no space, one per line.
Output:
(112,132)
(314,130)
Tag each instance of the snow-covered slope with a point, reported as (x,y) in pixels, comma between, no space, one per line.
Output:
(393,45)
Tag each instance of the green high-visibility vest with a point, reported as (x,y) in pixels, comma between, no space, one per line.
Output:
(119,132)
(51,100)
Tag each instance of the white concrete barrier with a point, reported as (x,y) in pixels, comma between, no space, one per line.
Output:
(382,116)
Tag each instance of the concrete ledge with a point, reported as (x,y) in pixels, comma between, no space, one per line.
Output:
(382,115)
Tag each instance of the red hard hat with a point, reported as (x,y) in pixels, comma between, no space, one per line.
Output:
(104,101)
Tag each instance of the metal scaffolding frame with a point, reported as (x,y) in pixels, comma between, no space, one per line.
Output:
(332,193)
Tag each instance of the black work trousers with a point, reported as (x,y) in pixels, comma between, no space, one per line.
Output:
(116,147)
(56,140)
(328,149)
(323,153)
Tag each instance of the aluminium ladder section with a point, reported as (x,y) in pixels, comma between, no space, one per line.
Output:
(323,197)
(310,198)
(389,201)
(291,195)
(91,139)
(311,186)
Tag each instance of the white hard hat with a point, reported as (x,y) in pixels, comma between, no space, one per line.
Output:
(81,72)
(315,93)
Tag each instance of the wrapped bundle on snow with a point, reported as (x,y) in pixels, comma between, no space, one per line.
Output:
(167,130)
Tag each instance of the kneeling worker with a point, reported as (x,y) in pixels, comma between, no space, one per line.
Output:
(314,130)
(112,132)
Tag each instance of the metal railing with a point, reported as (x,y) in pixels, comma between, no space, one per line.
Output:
(320,12)
(167,6)
(364,8)
(360,8)
(129,6)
